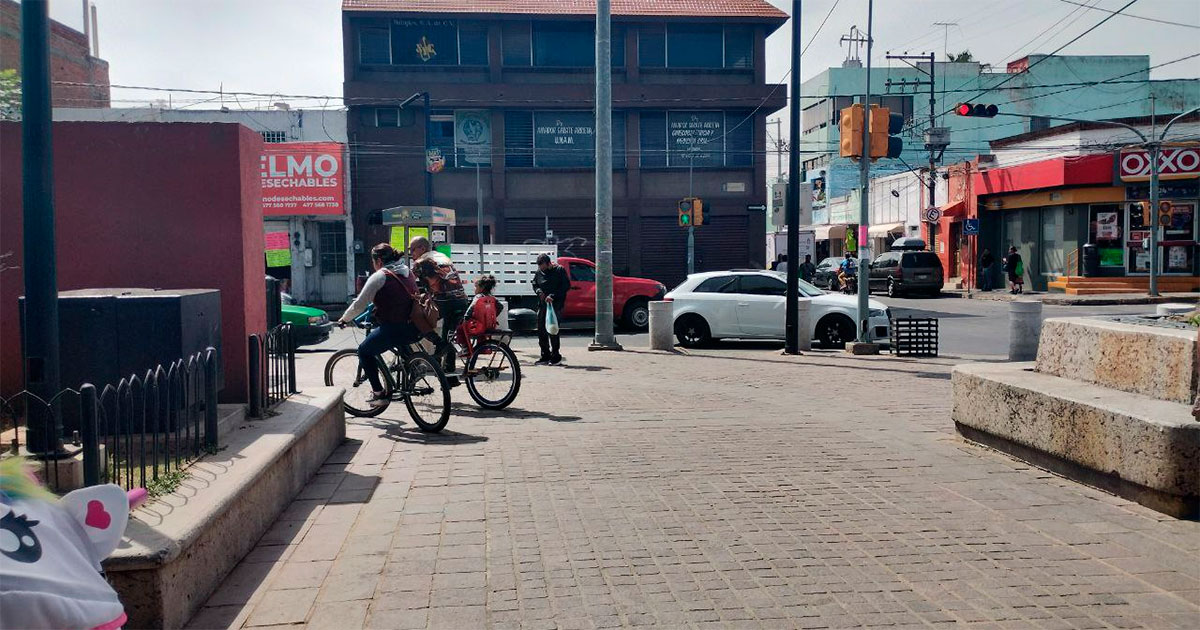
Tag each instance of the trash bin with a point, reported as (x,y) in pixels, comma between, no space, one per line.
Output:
(1091,260)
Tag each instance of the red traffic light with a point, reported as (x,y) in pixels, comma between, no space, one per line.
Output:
(977,110)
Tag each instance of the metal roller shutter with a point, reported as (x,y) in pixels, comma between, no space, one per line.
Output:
(664,250)
(576,236)
(722,243)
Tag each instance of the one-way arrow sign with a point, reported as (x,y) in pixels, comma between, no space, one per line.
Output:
(756,208)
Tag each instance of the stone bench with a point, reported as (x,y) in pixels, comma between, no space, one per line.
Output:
(1133,445)
(179,548)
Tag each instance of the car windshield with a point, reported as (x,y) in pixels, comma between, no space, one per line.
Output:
(807,289)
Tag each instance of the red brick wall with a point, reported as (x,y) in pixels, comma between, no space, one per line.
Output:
(159,205)
(70,61)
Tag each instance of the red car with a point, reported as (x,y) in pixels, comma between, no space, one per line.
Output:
(631,296)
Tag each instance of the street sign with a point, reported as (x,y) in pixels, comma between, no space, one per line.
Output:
(762,208)
(971,227)
(933,214)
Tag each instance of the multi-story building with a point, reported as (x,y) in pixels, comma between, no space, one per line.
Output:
(1089,87)
(511,89)
(80,77)
(319,236)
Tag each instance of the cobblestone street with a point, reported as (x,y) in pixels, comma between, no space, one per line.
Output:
(730,487)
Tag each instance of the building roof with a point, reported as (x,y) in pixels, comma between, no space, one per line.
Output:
(757,9)
(1057,130)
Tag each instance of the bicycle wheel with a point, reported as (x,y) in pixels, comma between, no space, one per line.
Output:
(493,375)
(426,393)
(342,370)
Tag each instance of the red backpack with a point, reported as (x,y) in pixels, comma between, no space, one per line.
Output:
(484,315)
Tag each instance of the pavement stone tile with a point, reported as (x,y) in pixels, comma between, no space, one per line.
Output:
(338,616)
(283,607)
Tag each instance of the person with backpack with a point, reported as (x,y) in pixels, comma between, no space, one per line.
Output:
(483,315)
(1015,268)
(437,276)
(390,289)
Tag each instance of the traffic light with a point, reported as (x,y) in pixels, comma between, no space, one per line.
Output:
(697,212)
(685,212)
(851,130)
(883,127)
(1164,213)
(1147,214)
(976,110)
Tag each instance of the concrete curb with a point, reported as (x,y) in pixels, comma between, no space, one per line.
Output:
(179,548)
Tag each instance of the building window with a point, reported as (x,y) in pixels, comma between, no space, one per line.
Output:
(274,136)
(515,44)
(571,45)
(374,46)
(558,139)
(685,139)
(389,117)
(441,135)
(420,42)
(332,243)
(696,46)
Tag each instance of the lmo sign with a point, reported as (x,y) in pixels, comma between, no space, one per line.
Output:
(323,165)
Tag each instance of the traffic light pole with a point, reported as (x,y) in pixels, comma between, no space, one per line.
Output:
(792,203)
(692,223)
(864,215)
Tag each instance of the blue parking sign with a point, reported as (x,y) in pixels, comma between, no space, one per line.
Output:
(971,227)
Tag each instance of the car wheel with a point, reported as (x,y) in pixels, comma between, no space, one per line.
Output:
(891,289)
(692,331)
(833,286)
(637,315)
(834,331)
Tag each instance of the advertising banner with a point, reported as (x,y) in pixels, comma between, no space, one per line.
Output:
(689,136)
(564,139)
(303,178)
(473,136)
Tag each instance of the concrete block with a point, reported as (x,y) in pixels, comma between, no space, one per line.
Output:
(862,348)
(1024,329)
(178,549)
(662,325)
(1173,308)
(1156,362)
(1144,449)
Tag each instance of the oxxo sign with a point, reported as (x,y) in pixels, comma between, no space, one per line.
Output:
(302,178)
(1173,163)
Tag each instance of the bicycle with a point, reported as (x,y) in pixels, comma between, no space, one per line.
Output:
(492,372)
(422,384)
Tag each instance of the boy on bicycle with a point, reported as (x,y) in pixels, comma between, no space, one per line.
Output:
(482,316)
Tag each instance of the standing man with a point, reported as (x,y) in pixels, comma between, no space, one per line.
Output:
(986,260)
(551,284)
(437,275)
(807,269)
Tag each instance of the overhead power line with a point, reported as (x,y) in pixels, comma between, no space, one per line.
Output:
(1129,15)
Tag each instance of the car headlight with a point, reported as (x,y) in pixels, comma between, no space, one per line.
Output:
(317,319)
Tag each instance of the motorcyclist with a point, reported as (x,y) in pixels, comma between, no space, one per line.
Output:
(390,288)
(846,270)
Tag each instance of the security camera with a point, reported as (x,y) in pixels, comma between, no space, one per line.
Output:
(896,194)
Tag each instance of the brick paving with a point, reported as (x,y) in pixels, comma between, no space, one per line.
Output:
(730,488)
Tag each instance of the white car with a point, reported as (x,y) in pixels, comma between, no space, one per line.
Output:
(749,304)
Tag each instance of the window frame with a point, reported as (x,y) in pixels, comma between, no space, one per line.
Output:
(325,228)
(731,280)
(589,270)
(363,29)
(776,284)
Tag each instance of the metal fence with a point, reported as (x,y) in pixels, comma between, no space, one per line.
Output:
(131,433)
(272,359)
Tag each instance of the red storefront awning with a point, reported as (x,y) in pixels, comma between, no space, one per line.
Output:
(1082,170)
(955,209)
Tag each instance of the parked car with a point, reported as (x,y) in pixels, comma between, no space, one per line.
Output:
(310,326)
(751,304)
(826,273)
(631,299)
(902,272)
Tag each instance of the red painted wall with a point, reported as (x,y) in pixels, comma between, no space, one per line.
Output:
(159,205)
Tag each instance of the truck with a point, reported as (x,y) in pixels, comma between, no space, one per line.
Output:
(515,265)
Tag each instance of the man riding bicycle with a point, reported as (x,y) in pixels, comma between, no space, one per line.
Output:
(438,277)
(846,269)
(390,288)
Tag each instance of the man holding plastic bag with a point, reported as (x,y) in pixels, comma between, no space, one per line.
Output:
(550,284)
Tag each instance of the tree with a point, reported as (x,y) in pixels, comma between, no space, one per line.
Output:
(962,57)
(10,95)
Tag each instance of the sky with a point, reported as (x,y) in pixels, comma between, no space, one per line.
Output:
(294,47)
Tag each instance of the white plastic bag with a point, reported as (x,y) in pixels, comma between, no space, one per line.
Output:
(551,320)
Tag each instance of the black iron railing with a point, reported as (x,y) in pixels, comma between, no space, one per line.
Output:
(272,368)
(132,433)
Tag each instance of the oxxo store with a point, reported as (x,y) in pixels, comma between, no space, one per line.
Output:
(308,234)
(1123,233)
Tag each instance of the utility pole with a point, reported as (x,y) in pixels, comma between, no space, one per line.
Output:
(778,147)
(1155,152)
(864,215)
(41,280)
(792,203)
(945,36)
(604,339)
(479,214)
(428,135)
(691,252)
